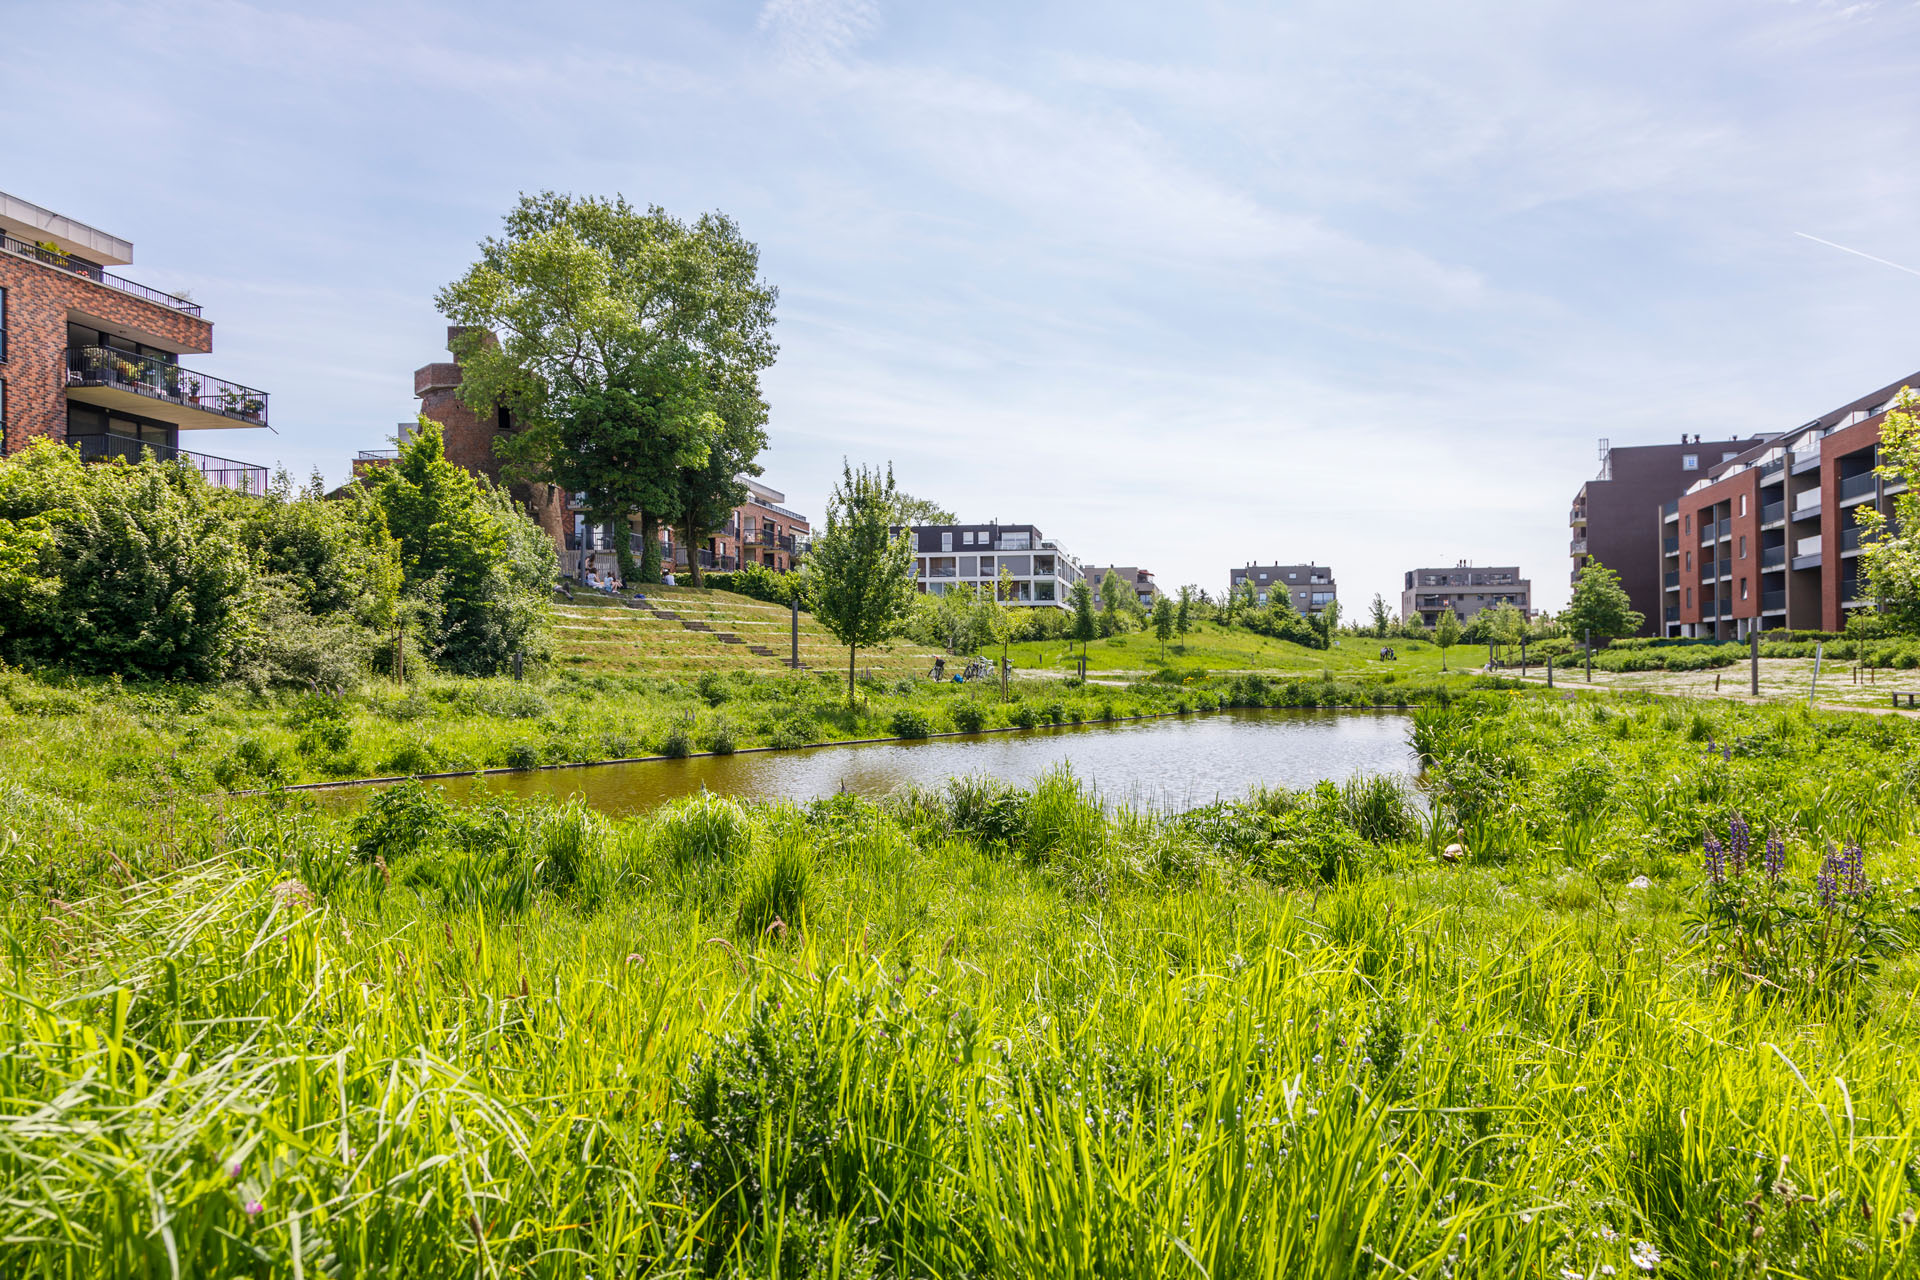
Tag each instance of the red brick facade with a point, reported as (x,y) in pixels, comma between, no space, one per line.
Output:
(39,299)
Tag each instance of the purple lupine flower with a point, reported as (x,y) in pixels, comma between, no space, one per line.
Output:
(1776,857)
(1716,861)
(1726,753)
(1739,841)
(1827,881)
(1854,870)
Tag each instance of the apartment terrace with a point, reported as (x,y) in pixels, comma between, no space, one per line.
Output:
(62,261)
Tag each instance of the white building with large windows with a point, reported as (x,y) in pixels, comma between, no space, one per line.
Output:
(949,556)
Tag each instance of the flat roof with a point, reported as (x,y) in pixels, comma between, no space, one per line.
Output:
(25,220)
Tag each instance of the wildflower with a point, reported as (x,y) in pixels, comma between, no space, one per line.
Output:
(254,1208)
(1568,1273)
(1776,857)
(1716,861)
(1828,880)
(1853,867)
(233,1170)
(1644,1256)
(1739,840)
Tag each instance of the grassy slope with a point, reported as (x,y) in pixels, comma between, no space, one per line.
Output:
(1781,680)
(1100,1050)
(1213,647)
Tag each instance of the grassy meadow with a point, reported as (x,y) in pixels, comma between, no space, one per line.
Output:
(1215,647)
(1521,1027)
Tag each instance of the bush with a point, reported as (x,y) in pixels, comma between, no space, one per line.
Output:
(702,830)
(968,717)
(908,723)
(719,739)
(399,820)
(678,741)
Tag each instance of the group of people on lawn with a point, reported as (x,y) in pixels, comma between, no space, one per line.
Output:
(609,583)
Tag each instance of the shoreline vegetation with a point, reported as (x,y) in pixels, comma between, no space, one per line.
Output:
(1593,1005)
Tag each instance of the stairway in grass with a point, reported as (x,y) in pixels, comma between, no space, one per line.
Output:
(681,630)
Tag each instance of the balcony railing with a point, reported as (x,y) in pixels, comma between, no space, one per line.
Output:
(1859,486)
(1673,613)
(1673,580)
(222,473)
(1773,513)
(1577,547)
(1773,602)
(157,379)
(1706,571)
(1670,510)
(1670,546)
(1726,608)
(1773,557)
(377,455)
(776,508)
(1708,531)
(81,267)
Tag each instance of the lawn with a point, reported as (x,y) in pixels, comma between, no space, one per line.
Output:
(985,1031)
(1214,647)
(1842,684)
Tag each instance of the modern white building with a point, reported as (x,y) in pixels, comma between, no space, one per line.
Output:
(950,556)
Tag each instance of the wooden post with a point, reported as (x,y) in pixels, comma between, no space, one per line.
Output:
(1819,652)
(1549,671)
(1753,663)
(519,664)
(1589,655)
(795,602)
(1523,657)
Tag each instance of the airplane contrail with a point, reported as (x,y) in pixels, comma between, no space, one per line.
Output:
(1856,253)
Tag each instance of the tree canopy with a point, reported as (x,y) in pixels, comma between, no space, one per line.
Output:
(1600,604)
(910,510)
(625,344)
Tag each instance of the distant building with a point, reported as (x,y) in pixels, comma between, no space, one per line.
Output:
(1310,586)
(947,556)
(1608,519)
(1139,580)
(1465,589)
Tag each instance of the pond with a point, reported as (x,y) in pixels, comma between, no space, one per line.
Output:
(1169,763)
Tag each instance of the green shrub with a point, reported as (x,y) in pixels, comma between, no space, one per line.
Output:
(1025,716)
(399,821)
(909,723)
(702,830)
(719,739)
(678,740)
(968,717)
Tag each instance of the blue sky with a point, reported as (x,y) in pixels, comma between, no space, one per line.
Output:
(1184,285)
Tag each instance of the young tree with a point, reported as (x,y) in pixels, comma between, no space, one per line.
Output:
(1599,604)
(1112,619)
(1890,551)
(1004,625)
(1446,634)
(580,298)
(1381,621)
(1504,624)
(863,577)
(1084,628)
(1183,611)
(1163,623)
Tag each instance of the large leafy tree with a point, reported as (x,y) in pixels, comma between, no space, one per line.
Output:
(581,298)
(1114,614)
(1890,551)
(862,574)
(912,511)
(707,493)
(1599,604)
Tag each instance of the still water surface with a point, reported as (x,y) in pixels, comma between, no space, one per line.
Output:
(1174,762)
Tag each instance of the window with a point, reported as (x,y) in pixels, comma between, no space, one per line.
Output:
(1743,588)
(1689,597)
(1686,525)
(1689,462)
(3,324)
(1743,504)
(946,541)
(1263,578)
(1292,576)
(1729,456)
(1743,546)
(966,539)
(1689,567)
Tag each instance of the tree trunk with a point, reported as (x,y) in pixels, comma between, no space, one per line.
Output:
(623,549)
(649,549)
(1003,671)
(694,576)
(850,652)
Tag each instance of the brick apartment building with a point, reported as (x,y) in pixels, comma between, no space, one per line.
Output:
(92,359)
(972,555)
(1140,580)
(759,531)
(1310,586)
(1767,538)
(1608,518)
(1464,589)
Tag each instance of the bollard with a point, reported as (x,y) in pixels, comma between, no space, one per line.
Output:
(519,664)
(1589,655)
(1753,662)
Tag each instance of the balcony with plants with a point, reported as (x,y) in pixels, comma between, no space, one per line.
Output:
(157,388)
(52,255)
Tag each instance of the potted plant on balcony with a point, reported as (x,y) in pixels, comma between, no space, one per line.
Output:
(192,389)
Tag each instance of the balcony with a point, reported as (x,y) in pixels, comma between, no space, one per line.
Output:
(1858,488)
(1773,602)
(1576,518)
(1726,608)
(1773,513)
(79,267)
(222,473)
(1707,530)
(377,455)
(1806,460)
(1706,571)
(756,500)
(1577,547)
(1673,580)
(154,388)
(1669,546)
(1673,613)
(1014,542)
(1807,505)
(1670,510)
(1773,557)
